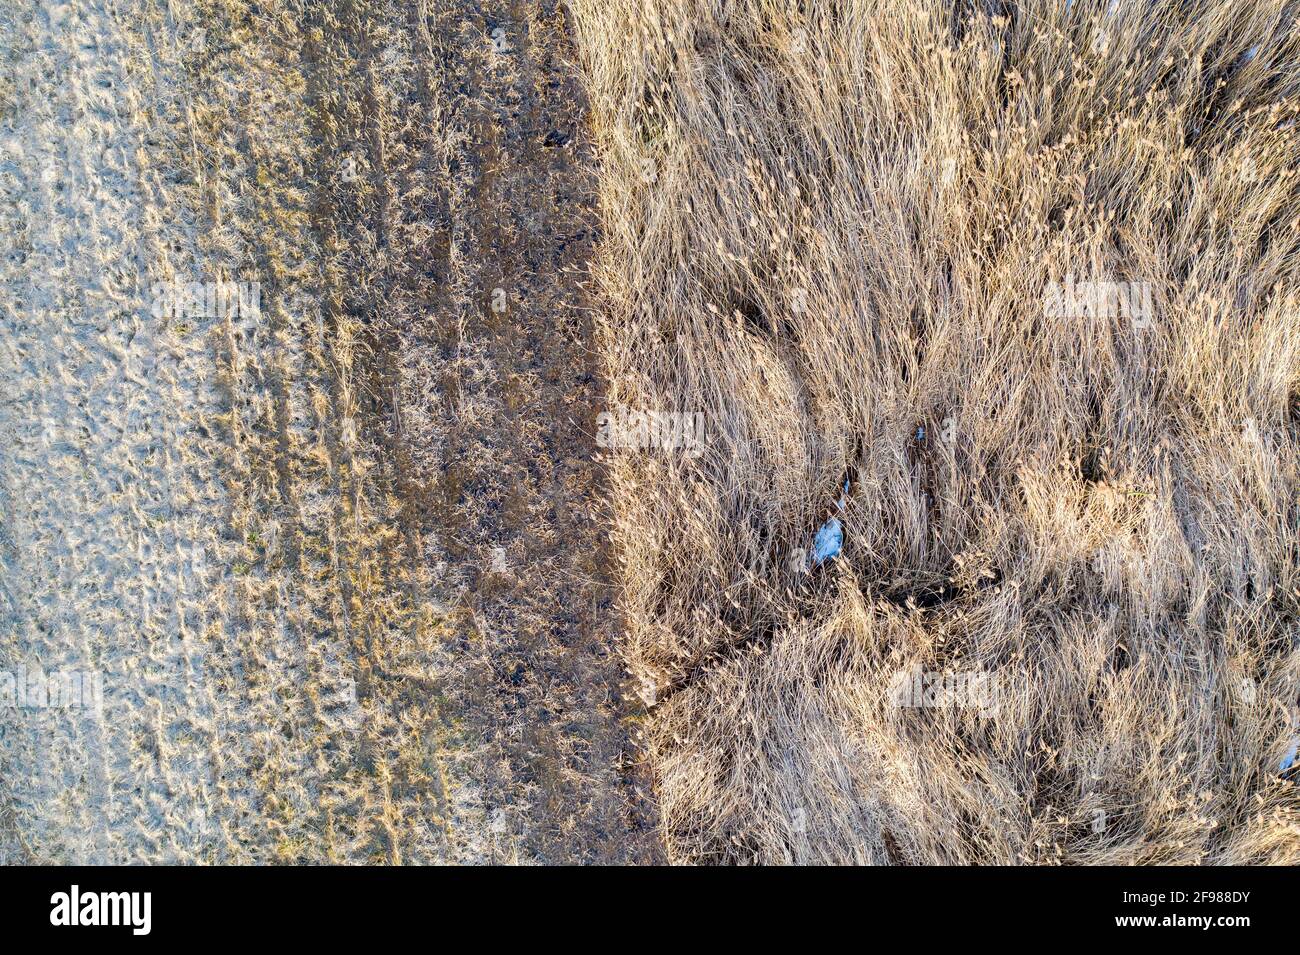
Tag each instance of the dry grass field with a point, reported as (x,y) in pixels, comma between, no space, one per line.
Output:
(1007,290)
(830,228)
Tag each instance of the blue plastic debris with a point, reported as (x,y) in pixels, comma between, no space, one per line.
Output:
(829,540)
(830,536)
(1289,759)
(920,434)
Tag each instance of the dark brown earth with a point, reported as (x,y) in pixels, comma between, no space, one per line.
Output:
(521,392)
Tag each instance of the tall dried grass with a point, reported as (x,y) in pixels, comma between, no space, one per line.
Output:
(830,227)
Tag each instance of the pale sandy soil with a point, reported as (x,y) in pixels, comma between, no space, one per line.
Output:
(113,505)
